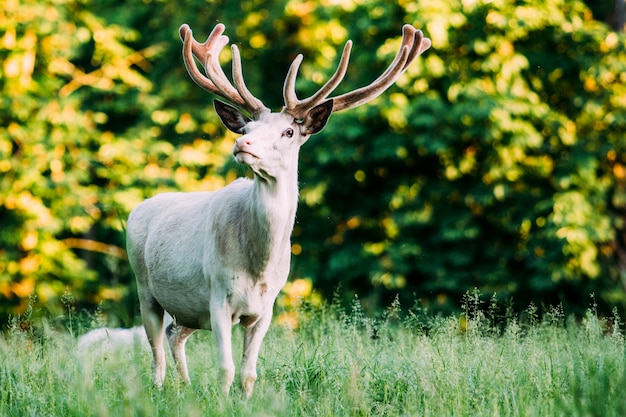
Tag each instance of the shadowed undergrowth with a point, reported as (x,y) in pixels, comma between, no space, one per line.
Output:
(339,362)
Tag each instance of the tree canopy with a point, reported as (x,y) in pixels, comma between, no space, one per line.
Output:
(497,161)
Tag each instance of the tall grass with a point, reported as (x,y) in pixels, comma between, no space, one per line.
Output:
(342,363)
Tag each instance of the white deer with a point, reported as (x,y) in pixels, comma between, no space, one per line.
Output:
(215,259)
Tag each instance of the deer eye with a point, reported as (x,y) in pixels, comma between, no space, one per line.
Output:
(288,133)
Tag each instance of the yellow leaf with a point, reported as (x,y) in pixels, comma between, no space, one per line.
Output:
(24,288)
(30,240)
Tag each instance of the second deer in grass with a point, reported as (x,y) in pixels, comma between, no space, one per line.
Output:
(215,259)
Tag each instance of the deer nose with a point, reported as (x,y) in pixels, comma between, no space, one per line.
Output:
(242,142)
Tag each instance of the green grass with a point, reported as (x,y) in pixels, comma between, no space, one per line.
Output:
(342,364)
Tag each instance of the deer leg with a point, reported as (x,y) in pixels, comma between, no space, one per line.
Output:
(177,337)
(221,324)
(251,344)
(152,316)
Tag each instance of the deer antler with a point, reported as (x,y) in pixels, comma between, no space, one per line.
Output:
(216,81)
(299,108)
(413,44)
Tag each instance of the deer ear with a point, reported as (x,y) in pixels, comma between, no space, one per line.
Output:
(317,117)
(232,118)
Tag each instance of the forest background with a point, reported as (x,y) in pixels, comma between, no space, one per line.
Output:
(497,162)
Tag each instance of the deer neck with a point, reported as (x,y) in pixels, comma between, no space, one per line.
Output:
(263,218)
(277,200)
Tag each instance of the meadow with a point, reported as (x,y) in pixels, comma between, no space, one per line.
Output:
(340,362)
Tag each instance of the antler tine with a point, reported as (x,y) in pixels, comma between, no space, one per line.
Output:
(210,51)
(409,34)
(299,108)
(413,44)
(289,88)
(192,48)
(255,105)
(216,81)
(364,94)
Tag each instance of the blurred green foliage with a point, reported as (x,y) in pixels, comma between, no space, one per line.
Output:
(498,161)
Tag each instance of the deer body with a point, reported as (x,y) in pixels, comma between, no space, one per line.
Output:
(201,254)
(215,259)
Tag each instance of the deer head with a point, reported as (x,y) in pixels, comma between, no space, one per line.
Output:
(265,133)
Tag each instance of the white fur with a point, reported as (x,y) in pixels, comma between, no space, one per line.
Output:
(106,339)
(214,259)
